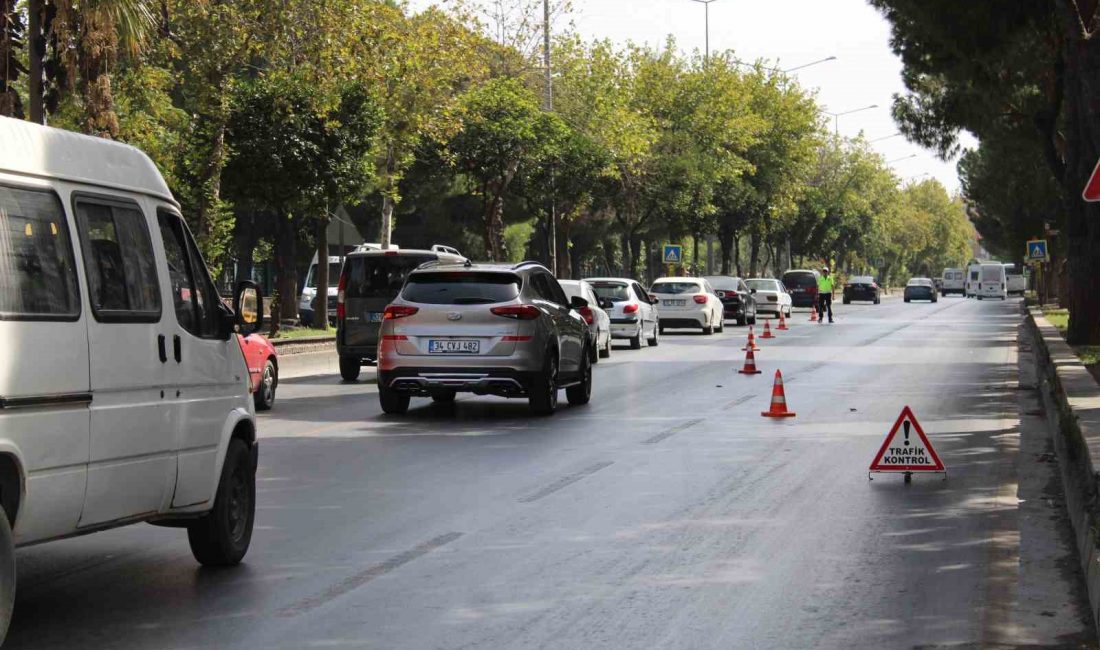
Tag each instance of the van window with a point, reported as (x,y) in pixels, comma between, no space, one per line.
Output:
(118,258)
(333,273)
(37,268)
(992,273)
(379,276)
(193,296)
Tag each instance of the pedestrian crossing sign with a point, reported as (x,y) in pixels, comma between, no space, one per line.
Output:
(1037,250)
(906,449)
(673,254)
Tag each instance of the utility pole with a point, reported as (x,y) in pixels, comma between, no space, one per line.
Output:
(706,64)
(548,105)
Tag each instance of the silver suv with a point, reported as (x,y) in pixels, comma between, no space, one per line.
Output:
(484,329)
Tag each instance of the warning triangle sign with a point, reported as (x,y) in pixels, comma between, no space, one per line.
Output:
(906,448)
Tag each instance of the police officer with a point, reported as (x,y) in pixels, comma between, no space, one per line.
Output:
(824,295)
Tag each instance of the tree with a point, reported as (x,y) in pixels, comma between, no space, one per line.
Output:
(998,66)
(295,155)
(503,131)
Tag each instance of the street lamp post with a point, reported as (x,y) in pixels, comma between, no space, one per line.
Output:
(837,116)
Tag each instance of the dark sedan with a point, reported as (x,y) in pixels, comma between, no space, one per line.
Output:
(921,289)
(738,302)
(862,287)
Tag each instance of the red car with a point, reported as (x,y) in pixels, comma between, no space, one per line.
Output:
(263,368)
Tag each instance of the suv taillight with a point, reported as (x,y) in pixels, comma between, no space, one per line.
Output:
(700,299)
(630,309)
(340,288)
(518,312)
(586,313)
(393,312)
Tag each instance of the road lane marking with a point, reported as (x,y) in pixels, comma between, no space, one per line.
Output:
(739,401)
(668,433)
(565,482)
(353,582)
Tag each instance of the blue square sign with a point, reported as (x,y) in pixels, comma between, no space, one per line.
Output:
(673,254)
(1037,250)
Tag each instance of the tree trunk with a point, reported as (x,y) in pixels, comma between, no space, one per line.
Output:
(11,33)
(635,253)
(36,51)
(286,283)
(628,260)
(695,254)
(387,200)
(754,254)
(1082,94)
(725,244)
(737,255)
(320,311)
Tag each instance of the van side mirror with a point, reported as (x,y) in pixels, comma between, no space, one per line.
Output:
(247,307)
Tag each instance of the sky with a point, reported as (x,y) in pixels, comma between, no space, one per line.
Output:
(789,33)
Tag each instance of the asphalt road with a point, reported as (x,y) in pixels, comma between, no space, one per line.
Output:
(666,514)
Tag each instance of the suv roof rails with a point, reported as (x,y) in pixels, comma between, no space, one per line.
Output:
(525,263)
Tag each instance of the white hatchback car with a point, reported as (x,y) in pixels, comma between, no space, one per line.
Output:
(633,314)
(771,296)
(124,394)
(599,323)
(688,302)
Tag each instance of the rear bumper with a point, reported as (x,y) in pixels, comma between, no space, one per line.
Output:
(502,382)
(868,296)
(625,328)
(687,321)
(733,310)
(803,299)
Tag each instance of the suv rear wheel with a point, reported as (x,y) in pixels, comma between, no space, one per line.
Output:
(349,368)
(392,402)
(580,394)
(544,388)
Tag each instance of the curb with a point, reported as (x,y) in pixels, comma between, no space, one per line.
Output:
(1071,398)
(305,344)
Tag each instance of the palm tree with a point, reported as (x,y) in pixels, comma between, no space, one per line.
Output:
(96,31)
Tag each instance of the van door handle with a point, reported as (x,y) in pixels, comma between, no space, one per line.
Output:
(162,349)
(177,347)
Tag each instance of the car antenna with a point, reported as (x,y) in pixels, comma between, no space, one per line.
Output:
(468,263)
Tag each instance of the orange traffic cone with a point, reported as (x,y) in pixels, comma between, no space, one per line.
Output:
(779,400)
(750,364)
(782,322)
(751,345)
(767,331)
(813,313)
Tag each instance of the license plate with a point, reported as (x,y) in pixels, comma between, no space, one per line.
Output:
(374,316)
(674,303)
(454,347)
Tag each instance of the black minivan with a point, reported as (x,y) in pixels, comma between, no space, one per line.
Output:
(370,280)
(802,285)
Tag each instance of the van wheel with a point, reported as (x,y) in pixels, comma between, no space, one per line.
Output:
(265,395)
(222,536)
(392,402)
(349,368)
(580,394)
(543,399)
(7,575)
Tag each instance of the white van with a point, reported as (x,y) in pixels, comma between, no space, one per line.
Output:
(1015,281)
(973,277)
(954,281)
(309,290)
(992,283)
(124,395)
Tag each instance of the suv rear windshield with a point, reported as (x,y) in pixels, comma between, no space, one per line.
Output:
(613,291)
(380,276)
(799,279)
(676,287)
(461,288)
